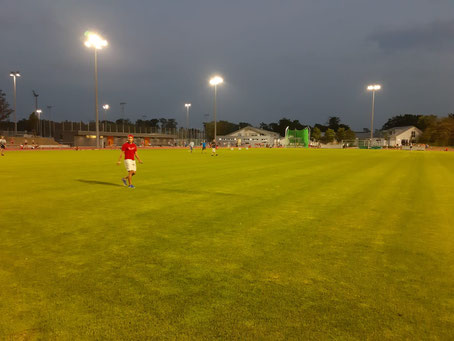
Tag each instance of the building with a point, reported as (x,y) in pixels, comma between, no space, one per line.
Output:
(250,136)
(401,136)
(110,139)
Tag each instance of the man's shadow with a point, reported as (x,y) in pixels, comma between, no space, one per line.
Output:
(94,182)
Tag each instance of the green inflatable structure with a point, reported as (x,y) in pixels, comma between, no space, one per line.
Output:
(297,138)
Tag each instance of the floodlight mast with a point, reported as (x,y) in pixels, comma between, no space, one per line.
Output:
(373,88)
(214,82)
(39,111)
(105,107)
(15,74)
(97,42)
(49,108)
(187,105)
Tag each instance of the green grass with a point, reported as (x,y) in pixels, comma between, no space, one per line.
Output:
(252,244)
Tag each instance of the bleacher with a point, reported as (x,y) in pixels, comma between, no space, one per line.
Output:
(30,142)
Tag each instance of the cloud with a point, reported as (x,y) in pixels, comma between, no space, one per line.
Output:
(437,35)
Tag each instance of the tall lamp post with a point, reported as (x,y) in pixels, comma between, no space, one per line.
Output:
(187,105)
(215,81)
(97,42)
(105,107)
(49,108)
(39,111)
(373,88)
(15,74)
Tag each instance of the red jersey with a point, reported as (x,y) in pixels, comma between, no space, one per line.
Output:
(129,149)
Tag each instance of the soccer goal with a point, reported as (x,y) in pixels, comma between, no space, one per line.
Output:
(370,144)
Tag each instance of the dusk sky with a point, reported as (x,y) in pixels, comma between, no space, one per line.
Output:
(301,59)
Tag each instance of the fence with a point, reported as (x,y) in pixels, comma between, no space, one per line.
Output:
(53,129)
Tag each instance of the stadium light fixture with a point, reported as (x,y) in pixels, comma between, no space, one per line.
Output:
(105,107)
(215,81)
(15,74)
(373,88)
(187,105)
(96,42)
(39,111)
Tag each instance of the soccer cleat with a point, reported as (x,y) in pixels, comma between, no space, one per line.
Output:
(124,181)
(131,186)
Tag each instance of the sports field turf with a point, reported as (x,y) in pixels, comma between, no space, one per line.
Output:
(252,244)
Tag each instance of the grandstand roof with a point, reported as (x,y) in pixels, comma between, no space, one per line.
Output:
(257,130)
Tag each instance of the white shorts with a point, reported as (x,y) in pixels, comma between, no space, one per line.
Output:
(130,165)
(213,150)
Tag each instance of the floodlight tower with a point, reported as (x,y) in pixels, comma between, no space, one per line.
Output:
(49,108)
(97,42)
(215,81)
(187,105)
(36,95)
(39,111)
(15,74)
(373,88)
(105,107)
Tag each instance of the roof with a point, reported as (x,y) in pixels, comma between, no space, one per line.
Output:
(400,130)
(257,130)
(362,134)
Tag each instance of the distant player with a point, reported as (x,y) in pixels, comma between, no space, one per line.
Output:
(204,146)
(129,149)
(213,148)
(2,145)
(191,146)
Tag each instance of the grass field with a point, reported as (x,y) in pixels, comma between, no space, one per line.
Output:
(252,244)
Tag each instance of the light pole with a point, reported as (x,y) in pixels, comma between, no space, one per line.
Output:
(105,107)
(187,105)
(97,42)
(122,104)
(49,107)
(15,74)
(373,88)
(215,81)
(39,111)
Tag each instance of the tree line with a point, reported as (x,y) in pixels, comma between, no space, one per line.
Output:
(332,130)
(435,130)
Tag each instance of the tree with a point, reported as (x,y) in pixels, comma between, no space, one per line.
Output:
(439,132)
(316,134)
(274,127)
(264,126)
(171,123)
(163,122)
(5,110)
(33,121)
(340,134)
(222,128)
(425,121)
(153,122)
(282,125)
(349,134)
(321,127)
(243,125)
(330,135)
(22,124)
(402,121)
(333,123)
(125,121)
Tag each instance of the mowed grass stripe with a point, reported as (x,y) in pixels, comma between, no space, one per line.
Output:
(265,244)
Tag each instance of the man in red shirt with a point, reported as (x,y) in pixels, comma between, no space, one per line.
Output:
(129,149)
